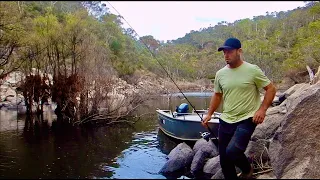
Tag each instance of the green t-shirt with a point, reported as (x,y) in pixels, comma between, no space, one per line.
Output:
(240,87)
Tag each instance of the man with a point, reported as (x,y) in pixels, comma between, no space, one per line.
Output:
(238,84)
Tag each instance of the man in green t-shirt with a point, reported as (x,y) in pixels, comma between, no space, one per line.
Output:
(237,85)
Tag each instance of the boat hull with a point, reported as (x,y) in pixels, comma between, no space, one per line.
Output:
(185,127)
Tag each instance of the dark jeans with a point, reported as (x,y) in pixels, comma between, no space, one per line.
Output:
(233,141)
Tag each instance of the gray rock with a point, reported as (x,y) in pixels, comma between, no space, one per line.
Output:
(212,165)
(294,88)
(258,150)
(198,161)
(5,104)
(206,146)
(295,148)
(13,78)
(178,149)
(11,98)
(273,110)
(172,165)
(268,127)
(218,175)
(179,158)
(296,95)
(10,92)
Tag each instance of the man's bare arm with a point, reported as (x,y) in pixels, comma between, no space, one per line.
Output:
(214,103)
(267,100)
(268,96)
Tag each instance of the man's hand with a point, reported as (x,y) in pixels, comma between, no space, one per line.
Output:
(205,121)
(267,100)
(214,104)
(259,116)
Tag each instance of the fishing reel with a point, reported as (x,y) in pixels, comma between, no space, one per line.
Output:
(206,136)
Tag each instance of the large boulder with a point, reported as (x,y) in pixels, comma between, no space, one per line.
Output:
(212,166)
(5,104)
(258,151)
(289,102)
(198,161)
(218,175)
(296,87)
(294,149)
(178,149)
(206,146)
(271,123)
(203,149)
(179,158)
(275,115)
(13,78)
(6,91)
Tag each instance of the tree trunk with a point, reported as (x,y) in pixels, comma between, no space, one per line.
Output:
(83,105)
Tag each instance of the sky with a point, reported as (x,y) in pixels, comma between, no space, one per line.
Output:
(170,20)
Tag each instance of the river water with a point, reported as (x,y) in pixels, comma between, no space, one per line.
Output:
(113,152)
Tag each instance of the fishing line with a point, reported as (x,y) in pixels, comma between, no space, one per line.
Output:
(162,67)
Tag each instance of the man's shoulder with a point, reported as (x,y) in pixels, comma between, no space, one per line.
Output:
(251,66)
(222,70)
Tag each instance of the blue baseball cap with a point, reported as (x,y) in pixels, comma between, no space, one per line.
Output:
(231,43)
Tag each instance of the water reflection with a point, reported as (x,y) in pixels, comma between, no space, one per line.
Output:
(68,153)
(166,143)
(141,159)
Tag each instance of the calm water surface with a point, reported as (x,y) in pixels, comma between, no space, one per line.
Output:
(118,151)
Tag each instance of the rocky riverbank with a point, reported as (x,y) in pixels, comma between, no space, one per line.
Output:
(139,82)
(10,98)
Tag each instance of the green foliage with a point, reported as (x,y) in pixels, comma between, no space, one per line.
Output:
(278,42)
(115,47)
(13,36)
(306,50)
(63,35)
(46,26)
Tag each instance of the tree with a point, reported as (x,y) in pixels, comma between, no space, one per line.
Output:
(12,34)
(150,42)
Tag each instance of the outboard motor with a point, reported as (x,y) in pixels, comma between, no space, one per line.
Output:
(183,108)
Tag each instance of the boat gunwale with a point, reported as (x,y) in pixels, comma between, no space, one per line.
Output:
(162,112)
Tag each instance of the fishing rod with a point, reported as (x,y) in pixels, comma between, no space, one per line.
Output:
(205,136)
